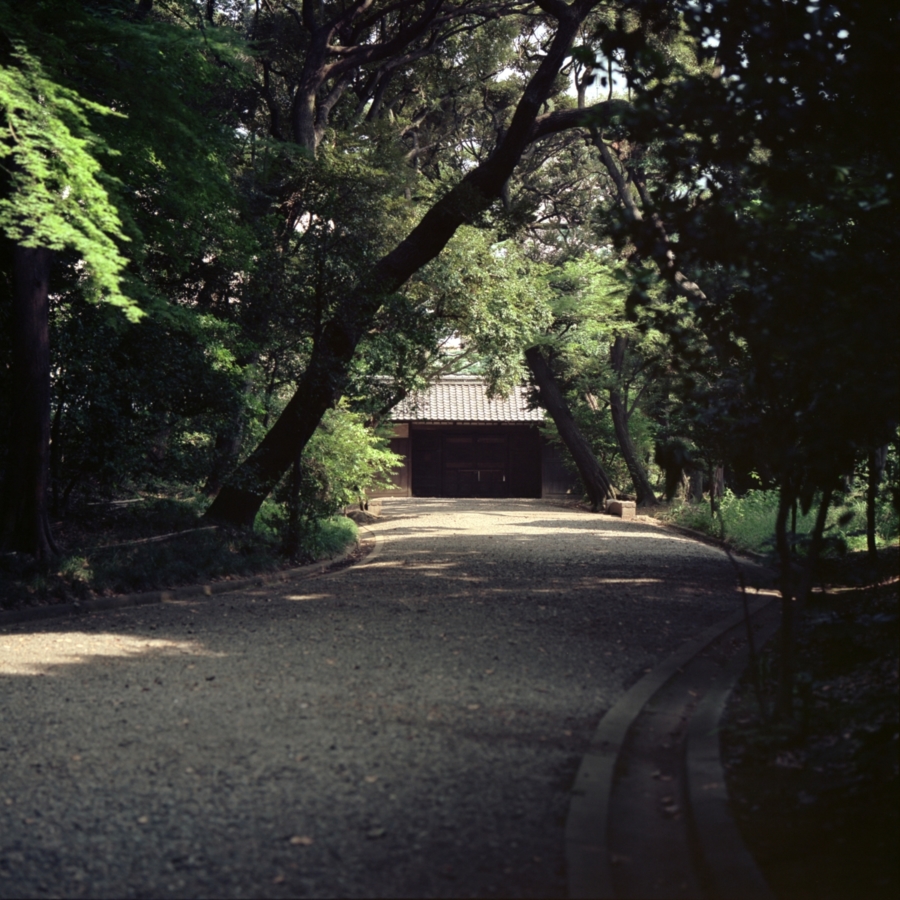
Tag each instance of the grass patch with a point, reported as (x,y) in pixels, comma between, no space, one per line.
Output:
(335,534)
(108,552)
(748,522)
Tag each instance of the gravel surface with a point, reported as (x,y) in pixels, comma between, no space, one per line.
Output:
(406,727)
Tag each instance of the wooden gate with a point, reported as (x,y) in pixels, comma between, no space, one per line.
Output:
(463,461)
(475,465)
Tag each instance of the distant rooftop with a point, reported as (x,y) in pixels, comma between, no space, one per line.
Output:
(463,398)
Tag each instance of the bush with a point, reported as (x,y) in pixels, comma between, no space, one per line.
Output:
(108,551)
(748,522)
(342,461)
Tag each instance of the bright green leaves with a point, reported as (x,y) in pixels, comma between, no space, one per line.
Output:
(491,296)
(346,458)
(54,196)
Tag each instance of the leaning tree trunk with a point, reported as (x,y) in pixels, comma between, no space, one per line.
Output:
(24,521)
(645,495)
(325,378)
(595,480)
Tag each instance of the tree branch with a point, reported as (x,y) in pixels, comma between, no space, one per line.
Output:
(658,249)
(598,115)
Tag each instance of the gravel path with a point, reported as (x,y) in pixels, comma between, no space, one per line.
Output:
(407,727)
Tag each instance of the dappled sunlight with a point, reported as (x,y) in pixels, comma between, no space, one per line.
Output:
(596,580)
(39,654)
(379,564)
(527,521)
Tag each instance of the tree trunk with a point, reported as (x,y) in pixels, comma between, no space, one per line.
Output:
(595,480)
(230,438)
(325,378)
(785,702)
(225,454)
(877,459)
(645,495)
(695,493)
(24,522)
(815,547)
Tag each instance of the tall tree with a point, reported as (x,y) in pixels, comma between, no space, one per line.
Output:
(805,223)
(52,199)
(595,480)
(325,378)
(25,524)
(113,161)
(620,415)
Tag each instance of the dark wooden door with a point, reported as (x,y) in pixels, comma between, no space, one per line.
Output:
(426,463)
(475,465)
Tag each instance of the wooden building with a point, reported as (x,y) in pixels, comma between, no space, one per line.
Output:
(458,443)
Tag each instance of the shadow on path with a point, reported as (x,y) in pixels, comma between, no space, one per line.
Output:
(407,727)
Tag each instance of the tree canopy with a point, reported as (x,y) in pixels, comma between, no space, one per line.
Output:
(248,212)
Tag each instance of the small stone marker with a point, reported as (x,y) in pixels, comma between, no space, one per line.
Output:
(624,509)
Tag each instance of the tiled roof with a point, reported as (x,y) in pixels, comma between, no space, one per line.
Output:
(463,398)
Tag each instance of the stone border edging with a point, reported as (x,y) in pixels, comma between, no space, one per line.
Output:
(728,869)
(377,544)
(589,873)
(125,601)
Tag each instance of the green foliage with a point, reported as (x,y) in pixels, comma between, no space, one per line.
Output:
(107,552)
(471,310)
(343,460)
(748,522)
(589,296)
(761,185)
(121,154)
(489,294)
(54,196)
(137,402)
(333,536)
(193,558)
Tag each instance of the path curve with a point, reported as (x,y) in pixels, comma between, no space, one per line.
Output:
(407,727)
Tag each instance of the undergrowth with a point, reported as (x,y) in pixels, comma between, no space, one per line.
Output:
(818,796)
(748,522)
(106,551)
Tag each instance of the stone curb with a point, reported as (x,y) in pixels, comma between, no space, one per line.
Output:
(728,870)
(377,544)
(587,857)
(126,601)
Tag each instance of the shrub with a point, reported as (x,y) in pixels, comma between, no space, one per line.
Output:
(748,522)
(342,461)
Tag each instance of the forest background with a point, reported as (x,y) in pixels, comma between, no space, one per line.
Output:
(235,232)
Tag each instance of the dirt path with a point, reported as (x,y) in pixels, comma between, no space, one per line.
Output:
(406,727)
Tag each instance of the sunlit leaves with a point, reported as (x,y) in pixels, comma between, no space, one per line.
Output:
(55,197)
